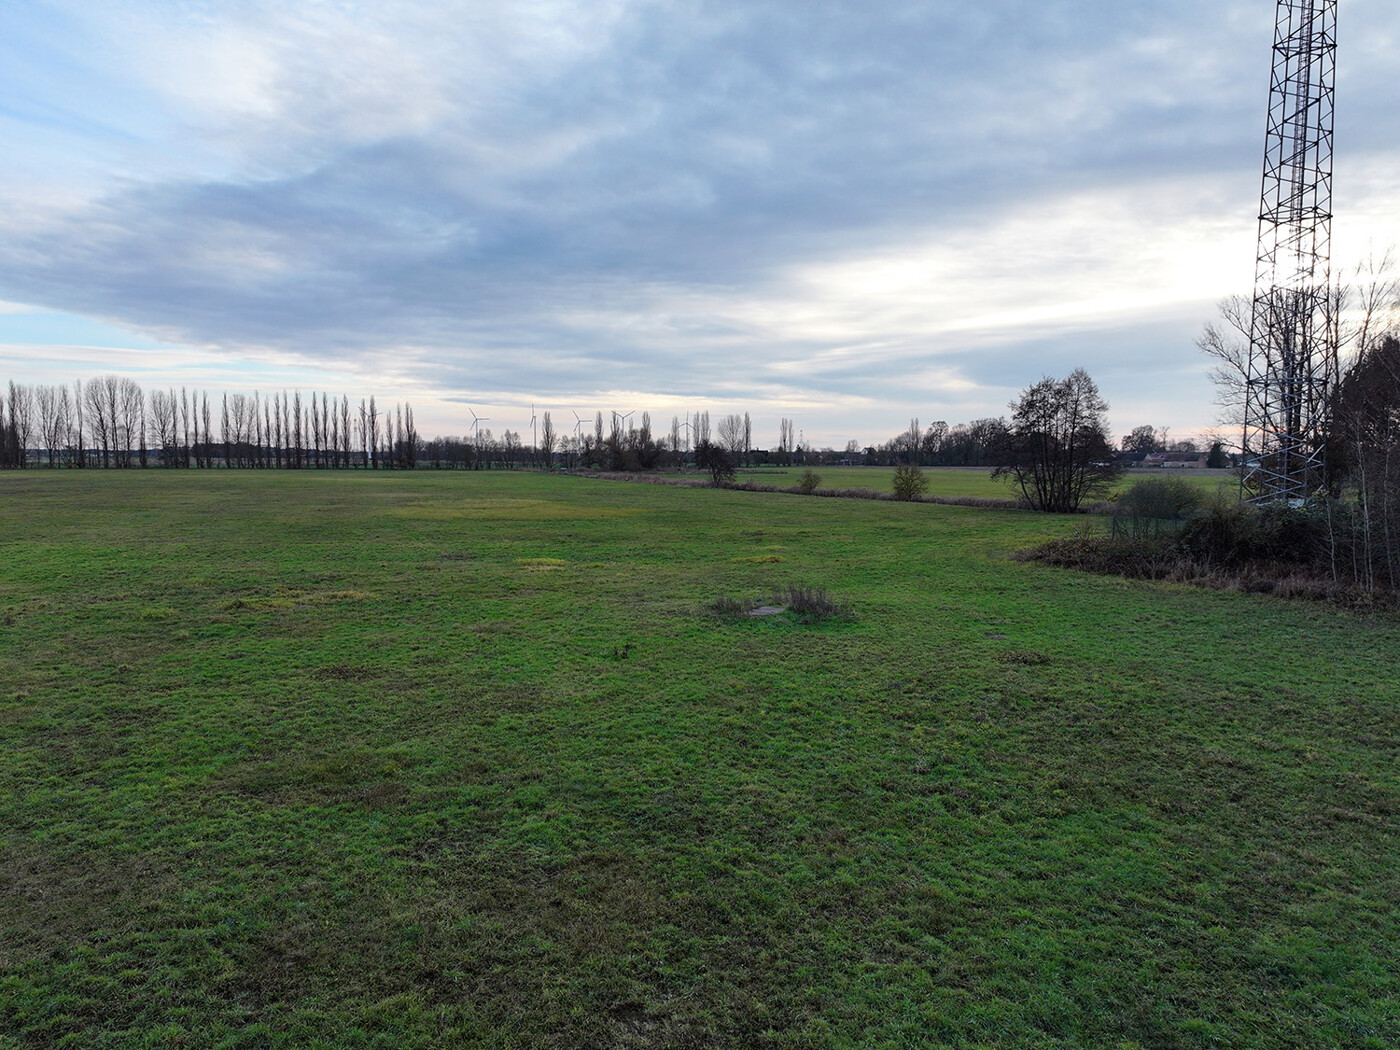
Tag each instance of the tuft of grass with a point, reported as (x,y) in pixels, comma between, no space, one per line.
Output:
(726,606)
(811,603)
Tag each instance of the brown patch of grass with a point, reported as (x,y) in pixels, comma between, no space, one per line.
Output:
(50,900)
(1026,658)
(347,673)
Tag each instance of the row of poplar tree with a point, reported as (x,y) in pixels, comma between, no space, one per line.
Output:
(111,421)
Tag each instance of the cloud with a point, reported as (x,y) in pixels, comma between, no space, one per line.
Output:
(764,201)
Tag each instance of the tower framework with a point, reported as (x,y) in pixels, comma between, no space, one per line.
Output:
(1293,332)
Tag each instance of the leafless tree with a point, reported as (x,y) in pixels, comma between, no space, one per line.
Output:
(208,429)
(372,435)
(547,440)
(1226,342)
(54,411)
(20,422)
(1059,453)
(731,435)
(345,438)
(1363,308)
(165,420)
(99,398)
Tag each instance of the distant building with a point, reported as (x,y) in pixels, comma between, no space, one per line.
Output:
(1176,460)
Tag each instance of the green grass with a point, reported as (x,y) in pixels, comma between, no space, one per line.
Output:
(962,481)
(430,760)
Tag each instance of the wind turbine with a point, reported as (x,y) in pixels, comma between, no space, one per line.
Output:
(476,423)
(578,435)
(534,441)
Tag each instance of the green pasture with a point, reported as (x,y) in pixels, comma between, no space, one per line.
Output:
(434,760)
(965,481)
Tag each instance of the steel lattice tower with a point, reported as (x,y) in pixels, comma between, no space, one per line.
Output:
(1293,344)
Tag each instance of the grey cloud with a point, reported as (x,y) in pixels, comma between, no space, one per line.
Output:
(702,148)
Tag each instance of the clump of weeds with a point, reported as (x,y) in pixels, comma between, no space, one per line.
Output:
(811,604)
(726,606)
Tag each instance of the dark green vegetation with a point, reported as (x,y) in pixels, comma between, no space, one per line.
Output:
(415,761)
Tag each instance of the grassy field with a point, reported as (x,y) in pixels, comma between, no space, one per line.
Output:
(433,760)
(965,481)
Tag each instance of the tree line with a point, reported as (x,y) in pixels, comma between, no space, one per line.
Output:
(111,422)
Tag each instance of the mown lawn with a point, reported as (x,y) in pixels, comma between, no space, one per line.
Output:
(434,760)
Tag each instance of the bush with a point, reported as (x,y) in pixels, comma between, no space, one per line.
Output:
(810,480)
(1228,532)
(1151,508)
(909,483)
(1119,557)
(1222,531)
(717,460)
(810,603)
(1296,534)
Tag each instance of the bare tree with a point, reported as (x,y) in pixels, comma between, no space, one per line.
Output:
(20,410)
(362,434)
(208,429)
(345,442)
(786,441)
(79,434)
(226,436)
(1226,343)
(1363,309)
(54,412)
(547,440)
(298,432)
(185,427)
(372,434)
(100,402)
(165,418)
(731,435)
(1059,452)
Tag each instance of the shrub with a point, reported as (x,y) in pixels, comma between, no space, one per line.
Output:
(1227,532)
(810,603)
(810,480)
(1151,508)
(909,483)
(717,460)
(1222,532)
(1289,533)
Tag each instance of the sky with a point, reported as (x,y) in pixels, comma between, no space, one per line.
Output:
(846,214)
